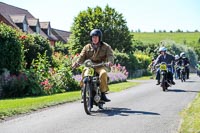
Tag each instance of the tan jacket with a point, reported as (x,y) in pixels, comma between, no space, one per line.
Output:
(104,53)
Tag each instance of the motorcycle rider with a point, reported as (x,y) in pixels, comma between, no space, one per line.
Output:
(168,59)
(185,62)
(98,51)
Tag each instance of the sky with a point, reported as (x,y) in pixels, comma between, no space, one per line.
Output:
(145,15)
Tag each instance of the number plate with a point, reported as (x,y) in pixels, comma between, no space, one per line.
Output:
(89,72)
(163,67)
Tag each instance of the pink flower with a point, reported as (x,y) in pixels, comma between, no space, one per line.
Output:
(45,82)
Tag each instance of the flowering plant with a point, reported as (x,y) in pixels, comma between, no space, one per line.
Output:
(118,73)
(13,85)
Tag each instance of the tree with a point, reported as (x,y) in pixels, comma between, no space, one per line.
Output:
(179,30)
(110,22)
(11,51)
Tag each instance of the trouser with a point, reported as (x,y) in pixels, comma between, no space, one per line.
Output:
(103,79)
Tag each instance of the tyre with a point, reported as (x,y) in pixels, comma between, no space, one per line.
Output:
(87,98)
(163,85)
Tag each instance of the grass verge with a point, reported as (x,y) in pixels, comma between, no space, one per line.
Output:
(144,78)
(191,118)
(11,107)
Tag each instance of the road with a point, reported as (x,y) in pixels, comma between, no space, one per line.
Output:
(142,109)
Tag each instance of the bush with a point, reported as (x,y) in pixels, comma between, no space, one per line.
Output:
(147,48)
(126,59)
(13,85)
(60,47)
(62,72)
(34,44)
(176,49)
(143,60)
(11,52)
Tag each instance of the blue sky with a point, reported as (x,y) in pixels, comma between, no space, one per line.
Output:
(145,15)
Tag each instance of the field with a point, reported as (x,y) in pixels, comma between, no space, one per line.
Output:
(181,38)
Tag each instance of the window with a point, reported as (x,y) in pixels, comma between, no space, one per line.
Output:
(37,29)
(48,32)
(25,26)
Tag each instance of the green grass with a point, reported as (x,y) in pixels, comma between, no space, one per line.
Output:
(144,78)
(121,86)
(11,107)
(151,37)
(191,118)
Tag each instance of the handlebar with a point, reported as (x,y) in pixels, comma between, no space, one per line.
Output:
(164,63)
(89,63)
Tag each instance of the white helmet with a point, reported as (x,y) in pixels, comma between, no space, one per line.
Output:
(162,49)
(182,54)
(176,57)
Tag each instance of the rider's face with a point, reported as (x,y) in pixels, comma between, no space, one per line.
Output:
(162,52)
(95,39)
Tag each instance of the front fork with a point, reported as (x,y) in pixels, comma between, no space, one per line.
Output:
(96,88)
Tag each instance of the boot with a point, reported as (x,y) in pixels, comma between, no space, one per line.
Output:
(173,82)
(158,82)
(104,98)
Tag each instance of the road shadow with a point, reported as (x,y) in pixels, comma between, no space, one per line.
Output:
(181,90)
(113,111)
(190,81)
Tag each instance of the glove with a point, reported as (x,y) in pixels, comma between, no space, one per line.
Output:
(110,64)
(75,65)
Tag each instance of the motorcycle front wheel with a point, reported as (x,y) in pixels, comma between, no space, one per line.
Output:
(163,83)
(182,77)
(87,98)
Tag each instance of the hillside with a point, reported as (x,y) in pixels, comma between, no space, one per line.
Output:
(181,38)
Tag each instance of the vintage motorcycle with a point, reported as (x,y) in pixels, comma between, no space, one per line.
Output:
(164,70)
(91,93)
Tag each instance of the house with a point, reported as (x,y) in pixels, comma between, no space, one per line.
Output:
(46,28)
(21,19)
(63,36)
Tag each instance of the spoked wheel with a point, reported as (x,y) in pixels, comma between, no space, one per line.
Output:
(182,77)
(164,87)
(87,98)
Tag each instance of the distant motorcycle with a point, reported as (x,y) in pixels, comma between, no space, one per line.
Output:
(177,72)
(182,74)
(198,71)
(91,93)
(164,69)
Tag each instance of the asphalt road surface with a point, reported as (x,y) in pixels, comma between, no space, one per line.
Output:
(142,109)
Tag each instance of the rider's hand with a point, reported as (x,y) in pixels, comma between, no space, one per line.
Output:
(75,65)
(110,64)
